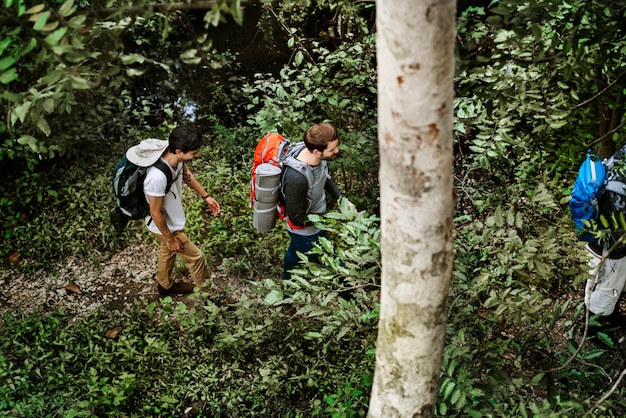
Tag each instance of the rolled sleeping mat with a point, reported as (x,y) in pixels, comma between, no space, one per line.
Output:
(267,183)
(264,217)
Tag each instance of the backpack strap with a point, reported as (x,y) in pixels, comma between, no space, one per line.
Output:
(616,187)
(304,169)
(301,168)
(295,149)
(165,169)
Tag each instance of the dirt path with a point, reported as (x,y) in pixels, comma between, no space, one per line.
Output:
(82,287)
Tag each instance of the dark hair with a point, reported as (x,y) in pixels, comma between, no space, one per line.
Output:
(185,138)
(318,136)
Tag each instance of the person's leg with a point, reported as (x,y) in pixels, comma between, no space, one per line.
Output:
(298,243)
(165,264)
(602,297)
(194,258)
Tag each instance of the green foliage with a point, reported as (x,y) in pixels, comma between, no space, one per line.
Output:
(533,78)
(336,82)
(537,77)
(52,365)
(59,62)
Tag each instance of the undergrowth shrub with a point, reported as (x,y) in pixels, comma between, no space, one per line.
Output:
(513,325)
(337,298)
(250,359)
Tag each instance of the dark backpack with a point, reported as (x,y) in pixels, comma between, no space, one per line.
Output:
(128,189)
(612,205)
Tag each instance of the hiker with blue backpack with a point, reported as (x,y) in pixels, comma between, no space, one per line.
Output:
(167,171)
(599,199)
(321,144)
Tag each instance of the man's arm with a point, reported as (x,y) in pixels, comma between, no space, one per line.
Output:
(156,213)
(295,189)
(331,187)
(191,181)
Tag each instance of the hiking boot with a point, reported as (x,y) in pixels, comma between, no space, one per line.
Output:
(176,289)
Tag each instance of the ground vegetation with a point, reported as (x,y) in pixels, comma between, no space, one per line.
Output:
(537,83)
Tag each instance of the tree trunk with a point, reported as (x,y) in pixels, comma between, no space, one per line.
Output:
(415,52)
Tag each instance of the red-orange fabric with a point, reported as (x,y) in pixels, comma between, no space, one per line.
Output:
(266,151)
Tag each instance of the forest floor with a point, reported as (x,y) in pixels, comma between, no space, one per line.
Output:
(82,287)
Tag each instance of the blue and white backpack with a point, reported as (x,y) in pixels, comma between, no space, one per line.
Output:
(600,188)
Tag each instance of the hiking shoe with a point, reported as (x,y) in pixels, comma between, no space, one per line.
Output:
(176,289)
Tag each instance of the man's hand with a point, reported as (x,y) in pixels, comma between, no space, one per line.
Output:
(214,207)
(174,244)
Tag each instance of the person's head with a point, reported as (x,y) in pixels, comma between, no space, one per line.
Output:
(187,140)
(322,139)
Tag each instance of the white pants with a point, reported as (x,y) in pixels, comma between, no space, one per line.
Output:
(608,286)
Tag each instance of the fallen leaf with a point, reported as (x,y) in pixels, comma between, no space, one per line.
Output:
(73,287)
(113,332)
(14,258)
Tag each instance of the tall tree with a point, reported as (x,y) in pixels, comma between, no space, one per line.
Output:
(415,46)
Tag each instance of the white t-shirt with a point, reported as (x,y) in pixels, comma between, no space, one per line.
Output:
(155,185)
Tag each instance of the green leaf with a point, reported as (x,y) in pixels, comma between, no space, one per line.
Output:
(43,126)
(55,37)
(273,297)
(52,77)
(605,339)
(188,54)
(538,377)
(41,20)
(67,8)
(21,8)
(299,58)
(4,44)
(132,58)
(236,12)
(133,72)
(6,62)
(447,387)
(79,83)
(29,47)
(29,140)
(21,111)
(8,95)
(7,76)
(48,105)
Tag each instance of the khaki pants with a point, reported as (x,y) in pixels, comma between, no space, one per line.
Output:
(190,254)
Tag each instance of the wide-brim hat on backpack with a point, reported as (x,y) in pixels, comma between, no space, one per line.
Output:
(147,152)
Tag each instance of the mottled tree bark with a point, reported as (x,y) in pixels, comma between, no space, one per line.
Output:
(415,52)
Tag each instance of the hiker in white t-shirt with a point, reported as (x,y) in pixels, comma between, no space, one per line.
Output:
(167,216)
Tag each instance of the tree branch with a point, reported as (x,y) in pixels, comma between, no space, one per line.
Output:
(609,133)
(609,393)
(600,93)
